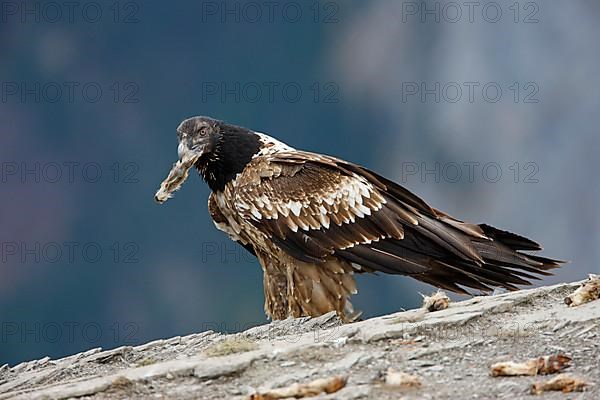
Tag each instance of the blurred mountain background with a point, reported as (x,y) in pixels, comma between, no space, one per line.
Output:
(489,111)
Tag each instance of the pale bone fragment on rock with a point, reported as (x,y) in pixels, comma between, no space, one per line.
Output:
(436,302)
(589,291)
(542,365)
(401,379)
(564,382)
(300,390)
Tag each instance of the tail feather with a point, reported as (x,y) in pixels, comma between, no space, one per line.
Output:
(463,262)
(512,240)
(547,263)
(516,272)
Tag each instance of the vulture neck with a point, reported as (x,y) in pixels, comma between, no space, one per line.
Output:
(233,150)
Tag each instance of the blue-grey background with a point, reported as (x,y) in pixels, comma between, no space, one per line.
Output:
(409,89)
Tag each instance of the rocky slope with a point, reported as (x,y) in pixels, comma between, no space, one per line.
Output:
(449,351)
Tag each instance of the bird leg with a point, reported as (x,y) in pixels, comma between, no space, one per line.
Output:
(297,289)
(275,287)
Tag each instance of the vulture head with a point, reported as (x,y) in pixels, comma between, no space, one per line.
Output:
(197,136)
(218,150)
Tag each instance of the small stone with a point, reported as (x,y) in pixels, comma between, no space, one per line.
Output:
(173,340)
(426,363)
(18,367)
(560,325)
(42,361)
(90,352)
(436,368)
(154,343)
(288,364)
(339,342)
(235,390)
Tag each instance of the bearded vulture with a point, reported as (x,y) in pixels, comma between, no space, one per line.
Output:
(314,220)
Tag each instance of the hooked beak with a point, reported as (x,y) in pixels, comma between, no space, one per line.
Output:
(190,152)
(188,149)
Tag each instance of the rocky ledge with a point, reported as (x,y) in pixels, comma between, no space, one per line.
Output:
(415,354)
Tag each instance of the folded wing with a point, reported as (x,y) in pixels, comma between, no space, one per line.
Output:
(314,206)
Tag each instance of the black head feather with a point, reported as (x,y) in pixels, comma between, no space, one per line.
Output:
(228,148)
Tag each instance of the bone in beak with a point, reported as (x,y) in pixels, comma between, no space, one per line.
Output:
(178,174)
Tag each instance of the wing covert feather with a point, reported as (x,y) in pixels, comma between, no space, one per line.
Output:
(314,206)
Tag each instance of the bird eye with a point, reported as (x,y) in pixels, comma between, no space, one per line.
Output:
(203,131)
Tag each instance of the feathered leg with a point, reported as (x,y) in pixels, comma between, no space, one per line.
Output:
(298,289)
